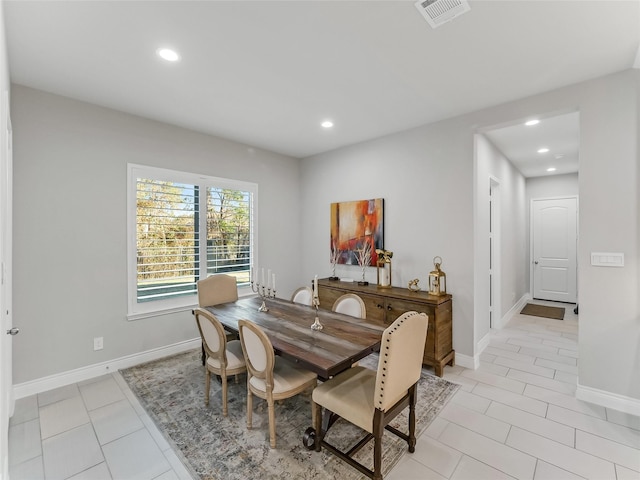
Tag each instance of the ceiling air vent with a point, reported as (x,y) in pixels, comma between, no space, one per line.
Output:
(437,12)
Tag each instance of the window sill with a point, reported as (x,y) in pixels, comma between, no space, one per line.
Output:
(158,313)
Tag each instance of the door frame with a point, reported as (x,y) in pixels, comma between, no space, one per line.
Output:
(531,236)
(495,259)
(7,402)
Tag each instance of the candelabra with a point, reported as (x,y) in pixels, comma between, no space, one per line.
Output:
(265,291)
(316,324)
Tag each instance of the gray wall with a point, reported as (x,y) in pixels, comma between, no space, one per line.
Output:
(70,180)
(511,232)
(426,176)
(426,179)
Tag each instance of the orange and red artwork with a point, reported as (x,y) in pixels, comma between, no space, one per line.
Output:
(355,224)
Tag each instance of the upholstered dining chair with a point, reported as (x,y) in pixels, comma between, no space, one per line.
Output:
(302,295)
(269,377)
(216,289)
(370,399)
(222,358)
(350,304)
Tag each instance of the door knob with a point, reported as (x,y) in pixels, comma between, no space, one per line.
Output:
(13,331)
(536,262)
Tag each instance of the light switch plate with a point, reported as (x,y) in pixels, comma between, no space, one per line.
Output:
(607,259)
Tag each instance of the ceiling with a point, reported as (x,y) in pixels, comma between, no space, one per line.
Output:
(520,143)
(267,73)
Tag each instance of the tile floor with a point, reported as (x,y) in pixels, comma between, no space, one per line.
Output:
(514,417)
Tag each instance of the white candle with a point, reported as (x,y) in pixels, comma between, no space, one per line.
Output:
(315,286)
(274,282)
(269,278)
(251,274)
(263,276)
(384,278)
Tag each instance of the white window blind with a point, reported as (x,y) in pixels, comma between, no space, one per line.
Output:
(167,239)
(184,227)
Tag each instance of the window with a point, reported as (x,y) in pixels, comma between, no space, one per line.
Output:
(184,227)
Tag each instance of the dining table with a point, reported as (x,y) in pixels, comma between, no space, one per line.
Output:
(342,341)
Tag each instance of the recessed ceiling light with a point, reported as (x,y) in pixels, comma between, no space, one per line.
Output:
(327,124)
(543,150)
(531,123)
(551,169)
(168,54)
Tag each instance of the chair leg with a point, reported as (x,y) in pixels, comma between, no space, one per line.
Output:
(207,386)
(249,406)
(378,431)
(272,422)
(412,419)
(317,424)
(224,394)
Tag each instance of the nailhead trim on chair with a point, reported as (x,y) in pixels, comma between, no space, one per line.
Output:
(384,369)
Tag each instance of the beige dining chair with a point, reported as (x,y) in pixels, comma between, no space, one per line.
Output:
(269,377)
(214,290)
(302,295)
(350,304)
(371,399)
(222,358)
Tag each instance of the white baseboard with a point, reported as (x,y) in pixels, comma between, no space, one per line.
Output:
(608,399)
(482,344)
(466,361)
(39,385)
(519,305)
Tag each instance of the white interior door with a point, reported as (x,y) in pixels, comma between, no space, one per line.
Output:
(6,383)
(554,249)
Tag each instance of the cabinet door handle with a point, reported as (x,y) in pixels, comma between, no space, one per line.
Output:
(389,307)
(379,306)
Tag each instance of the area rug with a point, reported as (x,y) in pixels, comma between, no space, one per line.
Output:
(171,390)
(556,313)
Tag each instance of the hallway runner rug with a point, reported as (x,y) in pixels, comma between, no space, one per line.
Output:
(556,313)
(171,390)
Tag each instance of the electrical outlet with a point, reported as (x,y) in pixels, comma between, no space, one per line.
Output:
(98,343)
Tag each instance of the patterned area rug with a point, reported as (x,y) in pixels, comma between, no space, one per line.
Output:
(215,447)
(556,313)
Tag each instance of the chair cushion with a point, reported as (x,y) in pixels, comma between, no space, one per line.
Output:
(286,377)
(350,395)
(235,357)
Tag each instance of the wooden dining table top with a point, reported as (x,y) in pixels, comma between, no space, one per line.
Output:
(327,352)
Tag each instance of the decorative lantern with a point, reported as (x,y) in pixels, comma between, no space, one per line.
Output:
(437,279)
(383,265)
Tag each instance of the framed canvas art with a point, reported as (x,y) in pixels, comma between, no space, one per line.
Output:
(353,226)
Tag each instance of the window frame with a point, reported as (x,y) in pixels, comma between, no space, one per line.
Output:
(152,308)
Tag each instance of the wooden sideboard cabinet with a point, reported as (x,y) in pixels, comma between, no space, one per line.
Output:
(384,305)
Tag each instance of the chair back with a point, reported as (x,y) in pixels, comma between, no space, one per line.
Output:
(216,289)
(258,351)
(302,295)
(214,339)
(350,304)
(400,362)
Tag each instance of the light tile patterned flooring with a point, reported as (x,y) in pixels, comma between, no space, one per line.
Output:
(514,417)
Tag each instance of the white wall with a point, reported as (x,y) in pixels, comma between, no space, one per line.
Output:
(513,231)
(6,309)
(70,198)
(426,178)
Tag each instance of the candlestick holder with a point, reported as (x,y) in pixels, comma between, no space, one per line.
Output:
(264,292)
(316,324)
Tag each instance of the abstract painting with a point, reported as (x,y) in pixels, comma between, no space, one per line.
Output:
(355,224)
